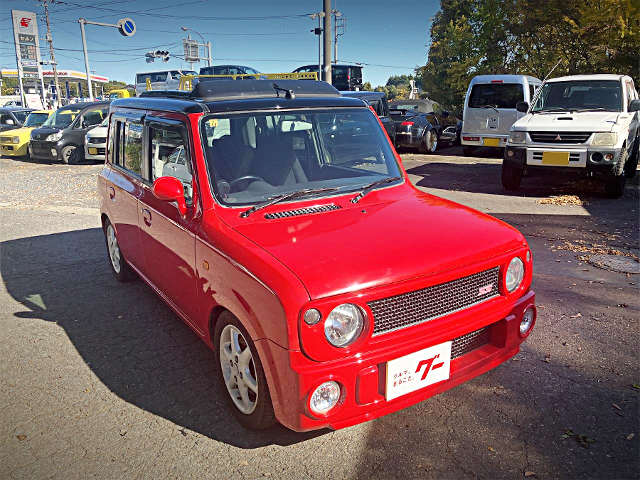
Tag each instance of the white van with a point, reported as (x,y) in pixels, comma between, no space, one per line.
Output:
(582,124)
(160,80)
(490,109)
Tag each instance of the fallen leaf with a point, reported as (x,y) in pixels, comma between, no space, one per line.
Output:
(491,449)
(577,315)
(529,474)
(630,436)
(616,406)
(123,432)
(21,437)
(244,463)
(636,385)
(547,358)
(623,305)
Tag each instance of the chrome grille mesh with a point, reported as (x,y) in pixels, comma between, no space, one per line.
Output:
(301,211)
(404,310)
(469,342)
(559,137)
(6,139)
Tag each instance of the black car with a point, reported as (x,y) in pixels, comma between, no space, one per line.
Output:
(378,101)
(417,126)
(11,118)
(343,77)
(228,70)
(61,137)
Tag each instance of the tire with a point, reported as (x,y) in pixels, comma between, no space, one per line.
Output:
(241,375)
(119,266)
(511,177)
(632,162)
(69,154)
(468,151)
(430,142)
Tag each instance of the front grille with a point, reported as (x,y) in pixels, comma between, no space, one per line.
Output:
(423,305)
(96,140)
(6,139)
(559,137)
(301,211)
(469,342)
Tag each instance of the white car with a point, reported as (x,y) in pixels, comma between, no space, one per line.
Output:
(95,141)
(583,123)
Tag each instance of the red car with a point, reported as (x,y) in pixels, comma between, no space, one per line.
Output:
(276,220)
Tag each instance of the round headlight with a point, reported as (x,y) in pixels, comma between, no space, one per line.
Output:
(515,274)
(324,398)
(343,325)
(16,139)
(527,321)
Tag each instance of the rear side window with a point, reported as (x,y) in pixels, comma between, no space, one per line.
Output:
(499,95)
(169,156)
(125,145)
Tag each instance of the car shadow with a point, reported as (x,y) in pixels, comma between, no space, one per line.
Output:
(130,339)
(39,161)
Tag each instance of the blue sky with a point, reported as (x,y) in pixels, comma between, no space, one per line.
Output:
(390,37)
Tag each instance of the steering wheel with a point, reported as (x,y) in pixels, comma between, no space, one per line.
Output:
(253,178)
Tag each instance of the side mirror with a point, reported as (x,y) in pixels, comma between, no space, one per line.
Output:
(170,189)
(9,121)
(635,106)
(522,107)
(444,114)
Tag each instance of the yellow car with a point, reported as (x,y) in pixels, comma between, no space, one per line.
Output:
(14,142)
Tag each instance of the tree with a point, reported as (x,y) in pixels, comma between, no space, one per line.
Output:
(366,86)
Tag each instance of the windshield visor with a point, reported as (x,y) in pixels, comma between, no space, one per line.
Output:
(256,156)
(582,95)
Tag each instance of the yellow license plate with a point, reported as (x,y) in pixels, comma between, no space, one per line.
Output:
(555,158)
(93,151)
(491,142)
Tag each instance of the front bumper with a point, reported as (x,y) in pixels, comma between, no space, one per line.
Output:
(13,149)
(44,150)
(95,151)
(293,376)
(591,158)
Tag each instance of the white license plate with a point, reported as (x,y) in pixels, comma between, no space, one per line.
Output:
(417,370)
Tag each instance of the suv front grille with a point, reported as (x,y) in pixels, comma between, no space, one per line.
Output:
(559,137)
(96,140)
(470,342)
(6,140)
(407,309)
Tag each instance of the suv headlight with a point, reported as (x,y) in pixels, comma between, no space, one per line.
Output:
(54,137)
(344,325)
(16,139)
(517,137)
(605,139)
(515,274)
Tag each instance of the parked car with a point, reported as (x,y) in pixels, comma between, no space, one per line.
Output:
(12,118)
(581,123)
(14,143)
(490,109)
(160,80)
(228,70)
(95,141)
(13,104)
(62,136)
(343,77)
(378,101)
(417,126)
(293,252)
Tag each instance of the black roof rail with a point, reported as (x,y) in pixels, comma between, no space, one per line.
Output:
(166,94)
(210,90)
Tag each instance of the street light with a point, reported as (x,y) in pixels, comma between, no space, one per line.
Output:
(204,44)
(318,31)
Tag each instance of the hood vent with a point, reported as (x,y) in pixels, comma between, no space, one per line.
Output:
(564,118)
(302,211)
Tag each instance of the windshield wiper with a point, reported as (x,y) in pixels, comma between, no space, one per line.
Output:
(286,196)
(595,109)
(495,107)
(555,110)
(372,186)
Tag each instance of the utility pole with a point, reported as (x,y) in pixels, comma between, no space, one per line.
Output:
(342,25)
(326,75)
(54,64)
(318,32)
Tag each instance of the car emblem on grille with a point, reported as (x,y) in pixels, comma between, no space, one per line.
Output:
(484,290)
(558,138)
(38,136)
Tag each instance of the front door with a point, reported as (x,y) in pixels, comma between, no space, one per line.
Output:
(167,237)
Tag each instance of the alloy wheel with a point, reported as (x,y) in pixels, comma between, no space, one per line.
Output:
(238,369)
(114,249)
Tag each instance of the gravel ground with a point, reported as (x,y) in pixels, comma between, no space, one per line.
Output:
(100,379)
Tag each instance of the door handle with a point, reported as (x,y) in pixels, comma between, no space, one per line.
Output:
(146,214)
(112,193)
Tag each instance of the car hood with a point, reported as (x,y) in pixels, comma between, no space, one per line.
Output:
(98,132)
(20,132)
(569,122)
(359,247)
(43,132)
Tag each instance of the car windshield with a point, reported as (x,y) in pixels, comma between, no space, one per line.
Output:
(252,157)
(36,119)
(580,95)
(62,118)
(21,116)
(498,95)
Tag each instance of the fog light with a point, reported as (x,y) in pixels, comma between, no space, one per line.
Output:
(312,316)
(596,157)
(519,154)
(325,397)
(510,153)
(54,152)
(527,321)
(608,157)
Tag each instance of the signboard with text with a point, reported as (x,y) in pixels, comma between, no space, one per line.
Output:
(25,32)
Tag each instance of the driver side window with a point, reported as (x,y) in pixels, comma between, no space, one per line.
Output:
(170,156)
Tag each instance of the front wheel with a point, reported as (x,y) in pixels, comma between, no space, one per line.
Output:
(69,154)
(632,162)
(241,374)
(511,177)
(617,179)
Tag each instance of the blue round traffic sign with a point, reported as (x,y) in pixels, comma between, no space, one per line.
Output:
(127,27)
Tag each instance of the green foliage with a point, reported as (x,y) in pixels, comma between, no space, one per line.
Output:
(366,86)
(473,37)
(399,80)
(9,85)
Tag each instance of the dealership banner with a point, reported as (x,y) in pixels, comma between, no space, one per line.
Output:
(25,32)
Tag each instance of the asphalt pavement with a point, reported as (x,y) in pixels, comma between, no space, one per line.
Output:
(100,379)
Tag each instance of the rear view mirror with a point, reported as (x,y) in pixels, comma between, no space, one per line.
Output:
(634,106)
(522,107)
(170,189)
